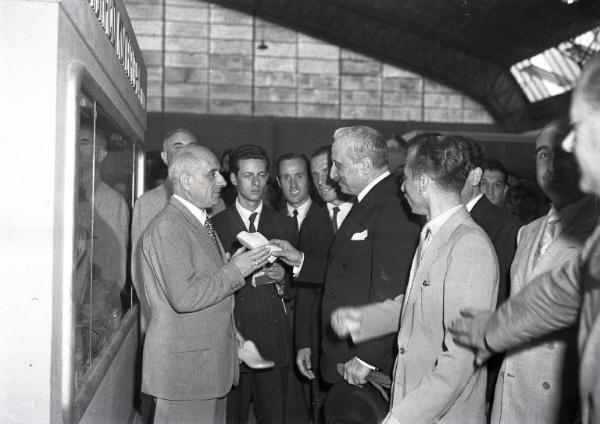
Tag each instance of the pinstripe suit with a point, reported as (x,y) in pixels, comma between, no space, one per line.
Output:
(260,316)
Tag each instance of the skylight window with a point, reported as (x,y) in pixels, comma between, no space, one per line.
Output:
(555,70)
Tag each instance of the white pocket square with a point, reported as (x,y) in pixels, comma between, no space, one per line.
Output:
(360,236)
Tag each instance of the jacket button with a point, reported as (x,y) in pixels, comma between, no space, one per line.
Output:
(401,351)
(546,385)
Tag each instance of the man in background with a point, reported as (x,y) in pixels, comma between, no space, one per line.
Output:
(493,182)
(315,239)
(567,295)
(292,176)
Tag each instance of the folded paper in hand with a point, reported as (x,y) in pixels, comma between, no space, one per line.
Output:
(256,239)
(360,236)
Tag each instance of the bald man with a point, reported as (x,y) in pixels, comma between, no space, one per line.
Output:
(149,204)
(190,359)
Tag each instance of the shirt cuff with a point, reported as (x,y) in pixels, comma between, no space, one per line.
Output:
(296,270)
(369,366)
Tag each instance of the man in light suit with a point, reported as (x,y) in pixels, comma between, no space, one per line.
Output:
(190,350)
(368,262)
(147,206)
(537,382)
(454,266)
(567,295)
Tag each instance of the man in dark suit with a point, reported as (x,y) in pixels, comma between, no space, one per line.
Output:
(260,314)
(316,235)
(190,355)
(499,225)
(292,177)
(369,261)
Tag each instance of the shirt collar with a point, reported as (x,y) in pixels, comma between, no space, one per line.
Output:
(368,188)
(471,203)
(344,207)
(245,213)
(302,209)
(438,222)
(200,214)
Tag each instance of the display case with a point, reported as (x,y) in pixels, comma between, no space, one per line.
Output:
(73,105)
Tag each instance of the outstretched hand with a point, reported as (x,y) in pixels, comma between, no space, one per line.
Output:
(288,253)
(469,331)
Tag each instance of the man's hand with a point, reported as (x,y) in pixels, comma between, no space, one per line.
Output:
(288,253)
(304,364)
(251,260)
(275,272)
(346,321)
(469,331)
(355,373)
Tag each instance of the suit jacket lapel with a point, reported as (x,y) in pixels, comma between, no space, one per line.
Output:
(438,242)
(200,232)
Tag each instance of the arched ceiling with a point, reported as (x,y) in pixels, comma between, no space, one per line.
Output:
(469,45)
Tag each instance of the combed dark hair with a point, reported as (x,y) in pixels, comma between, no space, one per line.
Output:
(493,164)
(472,150)
(247,151)
(322,151)
(365,142)
(441,158)
(293,155)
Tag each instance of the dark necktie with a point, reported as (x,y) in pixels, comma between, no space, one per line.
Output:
(252,228)
(211,232)
(295,218)
(336,210)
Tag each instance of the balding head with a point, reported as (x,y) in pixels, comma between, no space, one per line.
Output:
(175,140)
(194,175)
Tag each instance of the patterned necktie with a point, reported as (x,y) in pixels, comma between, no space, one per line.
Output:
(295,218)
(548,235)
(335,210)
(252,228)
(423,242)
(211,232)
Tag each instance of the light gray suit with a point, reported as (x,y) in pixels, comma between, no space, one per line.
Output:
(435,379)
(556,300)
(537,382)
(190,351)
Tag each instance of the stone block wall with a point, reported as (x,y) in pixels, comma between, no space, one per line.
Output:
(206,59)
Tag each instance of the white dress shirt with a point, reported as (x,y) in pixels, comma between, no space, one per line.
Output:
(342,214)
(245,214)
(471,203)
(302,211)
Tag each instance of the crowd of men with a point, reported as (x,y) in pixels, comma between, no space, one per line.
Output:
(368,306)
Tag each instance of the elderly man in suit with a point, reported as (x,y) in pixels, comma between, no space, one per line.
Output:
(369,261)
(454,266)
(568,294)
(147,206)
(536,382)
(260,313)
(190,356)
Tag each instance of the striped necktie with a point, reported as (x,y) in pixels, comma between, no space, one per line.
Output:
(211,232)
(424,240)
(251,227)
(549,231)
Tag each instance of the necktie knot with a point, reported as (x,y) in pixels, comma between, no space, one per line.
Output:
(252,227)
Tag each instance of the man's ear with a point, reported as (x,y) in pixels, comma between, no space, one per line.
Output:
(100,154)
(233,178)
(163,156)
(185,181)
(475,176)
(279,182)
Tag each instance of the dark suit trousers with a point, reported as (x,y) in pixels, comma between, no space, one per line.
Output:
(266,389)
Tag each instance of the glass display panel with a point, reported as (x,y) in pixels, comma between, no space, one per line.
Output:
(103,199)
